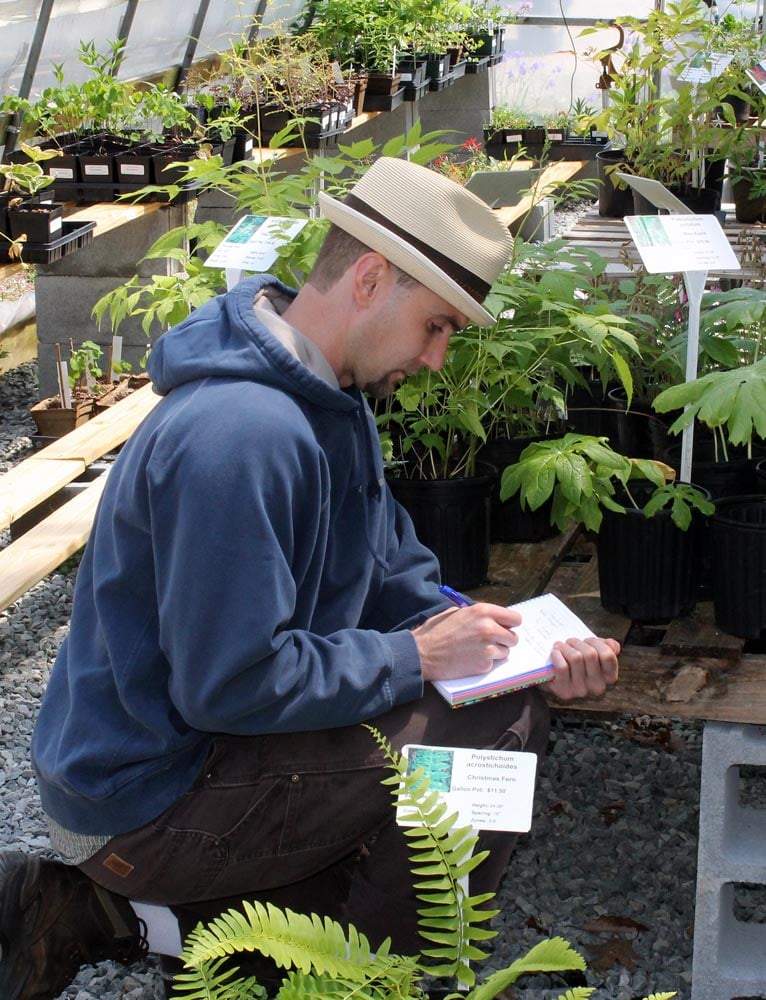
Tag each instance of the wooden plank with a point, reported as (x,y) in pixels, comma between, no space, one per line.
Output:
(683,688)
(41,549)
(553,175)
(697,635)
(112,215)
(106,431)
(30,482)
(521,570)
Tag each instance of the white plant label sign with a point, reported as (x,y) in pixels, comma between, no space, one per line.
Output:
(668,244)
(488,789)
(254,241)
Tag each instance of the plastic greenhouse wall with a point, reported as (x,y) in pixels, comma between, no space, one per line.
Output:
(546,65)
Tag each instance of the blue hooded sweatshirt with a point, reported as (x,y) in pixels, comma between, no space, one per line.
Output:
(248,572)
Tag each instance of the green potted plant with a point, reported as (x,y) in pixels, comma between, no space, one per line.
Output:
(497,385)
(729,403)
(555,323)
(647,522)
(432,430)
(371,36)
(92,123)
(286,84)
(509,129)
(29,219)
(669,136)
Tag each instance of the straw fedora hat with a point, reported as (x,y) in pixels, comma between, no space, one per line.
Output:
(432,228)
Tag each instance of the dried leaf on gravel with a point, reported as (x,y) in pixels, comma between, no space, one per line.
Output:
(613,924)
(610,812)
(605,956)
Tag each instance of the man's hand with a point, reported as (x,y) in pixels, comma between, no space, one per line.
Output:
(471,640)
(460,642)
(585,668)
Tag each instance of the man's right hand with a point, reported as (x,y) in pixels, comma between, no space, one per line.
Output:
(464,641)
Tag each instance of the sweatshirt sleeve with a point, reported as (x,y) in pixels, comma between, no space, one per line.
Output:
(257,637)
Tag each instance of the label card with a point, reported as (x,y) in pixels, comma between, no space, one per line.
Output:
(757,74)
(489,789)
(253,243)
(668,244)
(705,66)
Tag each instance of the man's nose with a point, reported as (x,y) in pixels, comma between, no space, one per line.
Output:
(433,355)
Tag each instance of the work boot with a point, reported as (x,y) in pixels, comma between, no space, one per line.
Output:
(53,920)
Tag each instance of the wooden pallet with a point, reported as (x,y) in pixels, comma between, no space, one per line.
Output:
(686,669)
(610,238)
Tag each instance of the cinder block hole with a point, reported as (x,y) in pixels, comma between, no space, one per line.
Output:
(760,996)
(752,786)
(749,903)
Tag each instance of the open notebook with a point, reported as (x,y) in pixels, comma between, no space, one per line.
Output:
(545,620)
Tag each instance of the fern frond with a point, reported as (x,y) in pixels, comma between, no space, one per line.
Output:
(290,940)
(553,955)
(212,982)
(578,993)
(442,856)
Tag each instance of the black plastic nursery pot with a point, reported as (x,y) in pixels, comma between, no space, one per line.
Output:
(509,521)
(452,518)
(637,431)
(738,553)
(721,476)
(39,222)
(613,202)
(748,207)
(703,201)
(647,567)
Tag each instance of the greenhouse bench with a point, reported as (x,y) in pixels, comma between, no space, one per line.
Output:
(25,487)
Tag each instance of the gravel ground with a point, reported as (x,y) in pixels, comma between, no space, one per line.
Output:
(609,865)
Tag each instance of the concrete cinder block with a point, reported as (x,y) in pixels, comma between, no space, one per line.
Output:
(537,225)
(729,954)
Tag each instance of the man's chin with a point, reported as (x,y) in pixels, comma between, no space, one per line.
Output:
(385,386)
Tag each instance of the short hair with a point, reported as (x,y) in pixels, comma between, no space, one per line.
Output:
(338,252)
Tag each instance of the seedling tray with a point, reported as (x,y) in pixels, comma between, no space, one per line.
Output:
(74,236)
(383,102)
(477,65)
(413,92)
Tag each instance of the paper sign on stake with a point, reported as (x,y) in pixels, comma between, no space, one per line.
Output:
(64,390)
(253,243)
(705,66)
(681,242)
(115,358)
(488,789)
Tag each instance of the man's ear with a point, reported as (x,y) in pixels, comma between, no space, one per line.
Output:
(372,273)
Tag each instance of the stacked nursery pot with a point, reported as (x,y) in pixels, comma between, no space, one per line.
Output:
(738,552)
(647,566)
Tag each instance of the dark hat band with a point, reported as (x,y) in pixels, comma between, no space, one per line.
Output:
(471,283)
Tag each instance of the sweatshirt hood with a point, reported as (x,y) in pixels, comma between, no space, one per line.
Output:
(225,339)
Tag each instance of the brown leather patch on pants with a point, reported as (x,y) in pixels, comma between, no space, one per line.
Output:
(118,866)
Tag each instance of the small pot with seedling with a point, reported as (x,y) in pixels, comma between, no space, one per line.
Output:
(29,218)
(78,390)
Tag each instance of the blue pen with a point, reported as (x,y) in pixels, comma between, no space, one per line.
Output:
(458,599)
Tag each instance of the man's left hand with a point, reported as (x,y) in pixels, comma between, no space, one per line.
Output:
(585,668)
